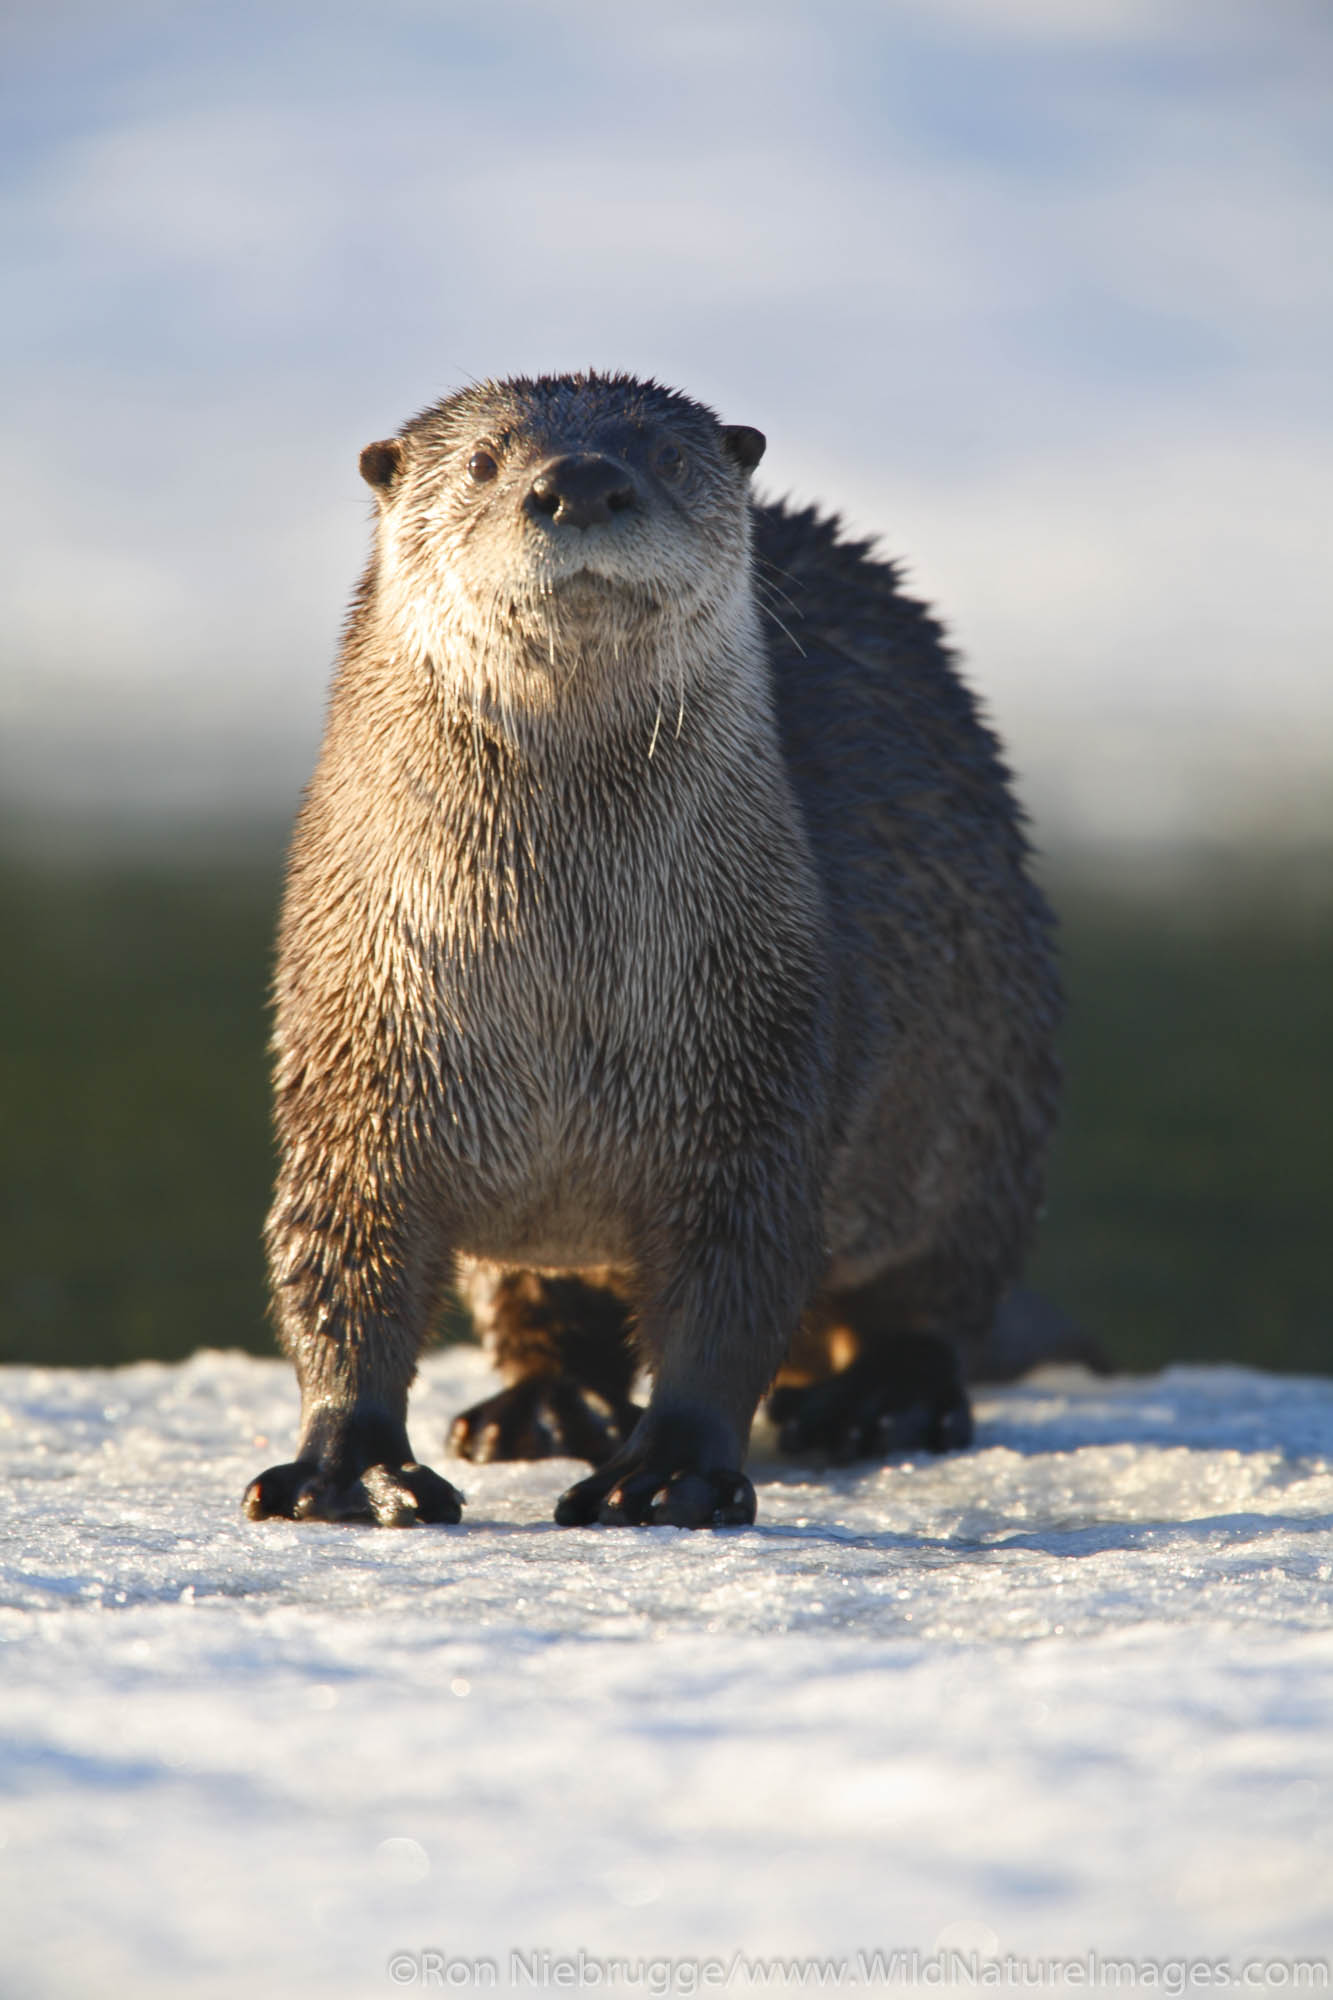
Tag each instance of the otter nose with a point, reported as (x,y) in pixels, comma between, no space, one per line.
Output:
(581,490)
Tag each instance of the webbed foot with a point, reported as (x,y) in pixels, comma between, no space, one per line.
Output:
(356,1466)
(543,1416)
(907,1395)
(667,1475)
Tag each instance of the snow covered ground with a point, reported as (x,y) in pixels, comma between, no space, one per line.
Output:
(1070,1692)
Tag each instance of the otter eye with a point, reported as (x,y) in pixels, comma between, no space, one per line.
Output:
(670,461)
(481,467)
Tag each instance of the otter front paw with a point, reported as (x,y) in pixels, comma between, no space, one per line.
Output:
(543,1416)
(677,1471)
(659,1498)
(907,1396)
(384,1496)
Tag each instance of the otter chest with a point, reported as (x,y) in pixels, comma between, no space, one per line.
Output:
(568,1036)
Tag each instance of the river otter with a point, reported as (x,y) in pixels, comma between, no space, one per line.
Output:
(657,948)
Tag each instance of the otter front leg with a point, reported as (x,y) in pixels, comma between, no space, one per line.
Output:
(716,1335)
(353,1305)
(681,1468)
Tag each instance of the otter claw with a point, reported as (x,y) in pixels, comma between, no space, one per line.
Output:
(660,1500)
(383,1496)
(909,1397)
(543,1416)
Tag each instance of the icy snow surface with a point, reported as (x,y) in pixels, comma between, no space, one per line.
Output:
(1070,1690)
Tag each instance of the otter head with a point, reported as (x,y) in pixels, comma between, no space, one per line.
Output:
(529,526)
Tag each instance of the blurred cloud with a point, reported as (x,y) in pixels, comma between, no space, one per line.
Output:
(1041,292)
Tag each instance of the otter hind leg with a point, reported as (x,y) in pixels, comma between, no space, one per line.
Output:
(563,1345)
(899,1386)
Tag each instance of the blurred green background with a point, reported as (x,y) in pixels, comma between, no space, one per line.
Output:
(1037,292)
(1190,1191)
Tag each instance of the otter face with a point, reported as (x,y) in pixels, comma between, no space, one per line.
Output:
(567,511)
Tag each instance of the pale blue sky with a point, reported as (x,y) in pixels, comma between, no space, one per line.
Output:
(1042,290)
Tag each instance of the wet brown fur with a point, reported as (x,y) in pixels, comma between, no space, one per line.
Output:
(671,920)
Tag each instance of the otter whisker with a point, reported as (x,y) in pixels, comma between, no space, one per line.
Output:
(783,628)
(766,584)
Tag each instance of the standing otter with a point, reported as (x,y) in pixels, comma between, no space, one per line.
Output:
(658,949)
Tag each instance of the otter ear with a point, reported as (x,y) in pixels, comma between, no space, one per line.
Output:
(381,463)
(744,444)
